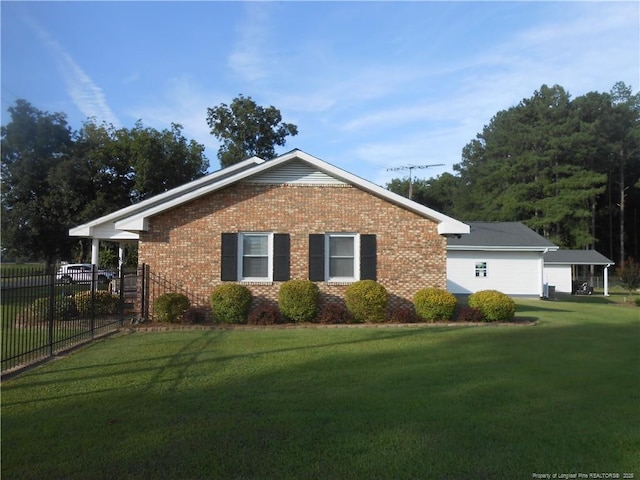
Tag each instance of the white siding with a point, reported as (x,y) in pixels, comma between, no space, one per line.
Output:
(296,172)
(559,276)
(513,273)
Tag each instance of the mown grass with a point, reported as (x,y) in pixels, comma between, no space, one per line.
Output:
(388,403)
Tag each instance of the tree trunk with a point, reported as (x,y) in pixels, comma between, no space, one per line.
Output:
(622,195)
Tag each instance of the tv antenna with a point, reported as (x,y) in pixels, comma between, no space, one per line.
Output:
(410,168)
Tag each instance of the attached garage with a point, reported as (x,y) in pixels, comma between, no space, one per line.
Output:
(503,256)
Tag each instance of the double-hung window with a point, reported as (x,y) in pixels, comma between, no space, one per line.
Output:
(481,269)
(255,259)
(342,262)
(342,257)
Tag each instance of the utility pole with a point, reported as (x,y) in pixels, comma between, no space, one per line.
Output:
(410,168)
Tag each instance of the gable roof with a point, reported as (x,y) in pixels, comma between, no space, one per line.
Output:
(500,236)
(576,257)
(126,223)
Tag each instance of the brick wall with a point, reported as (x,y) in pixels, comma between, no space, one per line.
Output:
(184,243)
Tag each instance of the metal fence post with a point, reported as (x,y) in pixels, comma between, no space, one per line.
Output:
(51,312)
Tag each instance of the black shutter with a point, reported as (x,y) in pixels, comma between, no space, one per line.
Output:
(229,257)
(368,257)
(281,257)
(316,257)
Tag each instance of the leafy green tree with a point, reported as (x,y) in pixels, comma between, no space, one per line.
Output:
(438,193)
(247,129)
(54,179)
(35,220)
(629,275)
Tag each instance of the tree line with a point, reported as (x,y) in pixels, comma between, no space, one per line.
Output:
(54,178)
(567,168)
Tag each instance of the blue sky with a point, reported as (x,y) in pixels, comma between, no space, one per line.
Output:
(370,85)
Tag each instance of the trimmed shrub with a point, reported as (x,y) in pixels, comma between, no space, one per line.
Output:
(105,303)
(263,315)
(638,301)
(334,313)
(230,303)
(495,306)
(64,308)
(434,304)
(367,301)
(470,314)
(298,300)
(170,307)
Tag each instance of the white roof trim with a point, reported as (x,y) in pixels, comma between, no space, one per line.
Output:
(135,218)
(88,229)
(499,248)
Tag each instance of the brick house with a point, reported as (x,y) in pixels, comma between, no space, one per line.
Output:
(260,223)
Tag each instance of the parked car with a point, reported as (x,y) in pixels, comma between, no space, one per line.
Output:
(81,273)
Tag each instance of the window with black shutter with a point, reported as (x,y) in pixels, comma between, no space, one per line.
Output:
(255,256)
(229,257)
(281,257)
(316,257)
(368,257)
(342,257)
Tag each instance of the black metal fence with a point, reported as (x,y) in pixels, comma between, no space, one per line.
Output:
(44,314)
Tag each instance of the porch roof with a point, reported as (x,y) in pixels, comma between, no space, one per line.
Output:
(576,257)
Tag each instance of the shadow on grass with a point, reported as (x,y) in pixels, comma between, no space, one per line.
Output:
(398,403)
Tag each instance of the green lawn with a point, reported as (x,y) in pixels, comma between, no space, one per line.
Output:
(416,402)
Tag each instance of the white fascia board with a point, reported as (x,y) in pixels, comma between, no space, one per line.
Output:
(497,248)
(446,224)
(140,222)
(86,229)
(578,263)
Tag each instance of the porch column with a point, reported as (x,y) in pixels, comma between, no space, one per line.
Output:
(95,248)
(606,280)
(120,256)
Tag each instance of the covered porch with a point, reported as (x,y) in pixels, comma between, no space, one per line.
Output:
(564,269)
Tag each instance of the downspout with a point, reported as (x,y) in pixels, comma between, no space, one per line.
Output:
(606,280)
(543,294)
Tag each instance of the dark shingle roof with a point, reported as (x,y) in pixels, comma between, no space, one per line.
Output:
(577,257)
(500,234)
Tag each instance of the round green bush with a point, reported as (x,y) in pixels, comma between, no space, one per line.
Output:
(64,308)
(230,303)
(367,301)
(298,300)
(170,307)
(495,306)
(434,304)
(105,303)
(638,301)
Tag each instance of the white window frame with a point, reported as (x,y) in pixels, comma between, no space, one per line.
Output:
(356,257)
(481,270)
(241,256)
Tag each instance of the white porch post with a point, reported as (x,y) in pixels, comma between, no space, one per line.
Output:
(120,256)
(606,280)
(95,248)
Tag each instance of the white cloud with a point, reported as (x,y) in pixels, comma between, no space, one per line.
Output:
(250,57)
(579,53)
(85,94)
